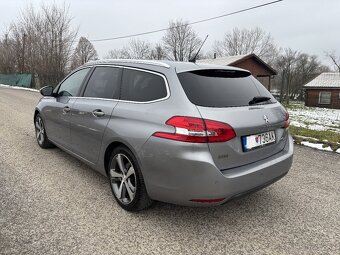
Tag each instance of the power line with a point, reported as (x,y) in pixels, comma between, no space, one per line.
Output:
(191,23)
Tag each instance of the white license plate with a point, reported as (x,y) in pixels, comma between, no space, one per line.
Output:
(253,141)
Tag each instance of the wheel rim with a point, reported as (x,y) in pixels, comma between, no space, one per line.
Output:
(123,178)
(39,130)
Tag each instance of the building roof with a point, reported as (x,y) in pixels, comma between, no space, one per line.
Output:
(325,80)
(178,65)
(234,60)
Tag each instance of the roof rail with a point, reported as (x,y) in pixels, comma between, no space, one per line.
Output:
(132,61)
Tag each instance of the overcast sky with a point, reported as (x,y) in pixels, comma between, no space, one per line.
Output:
(311,26)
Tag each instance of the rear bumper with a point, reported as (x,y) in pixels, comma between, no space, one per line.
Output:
(177,174)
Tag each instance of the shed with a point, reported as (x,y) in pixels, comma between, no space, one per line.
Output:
(251,62)
(323,91)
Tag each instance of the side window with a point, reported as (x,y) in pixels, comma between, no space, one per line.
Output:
(142,86)
(104,83)
(71,86)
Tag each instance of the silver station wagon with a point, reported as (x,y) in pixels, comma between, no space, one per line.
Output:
(178,132)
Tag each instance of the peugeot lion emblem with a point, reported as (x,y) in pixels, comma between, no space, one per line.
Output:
(266,119)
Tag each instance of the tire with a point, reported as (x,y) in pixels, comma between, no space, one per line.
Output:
(126,181)
(40,133)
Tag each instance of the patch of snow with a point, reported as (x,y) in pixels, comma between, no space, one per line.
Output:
(315,118)
(318,146)
(20,88)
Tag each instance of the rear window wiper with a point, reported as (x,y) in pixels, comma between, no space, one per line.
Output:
(257,100)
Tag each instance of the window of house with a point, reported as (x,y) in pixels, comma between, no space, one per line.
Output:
(325,97)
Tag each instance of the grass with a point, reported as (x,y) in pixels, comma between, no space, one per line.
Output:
(309,121)
(333,138)
(294,105)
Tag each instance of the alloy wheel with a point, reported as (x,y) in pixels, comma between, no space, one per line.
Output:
(39,130)
(123,178)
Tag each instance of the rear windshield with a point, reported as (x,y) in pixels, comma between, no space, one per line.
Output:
(222,88)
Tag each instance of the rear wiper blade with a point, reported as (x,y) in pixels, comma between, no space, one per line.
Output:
(256,100)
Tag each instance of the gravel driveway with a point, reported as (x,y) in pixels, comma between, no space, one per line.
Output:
(51,203)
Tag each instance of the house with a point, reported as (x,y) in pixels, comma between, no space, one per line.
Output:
(261,70)
(323,91)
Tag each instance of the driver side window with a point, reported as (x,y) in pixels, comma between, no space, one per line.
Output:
(71,86)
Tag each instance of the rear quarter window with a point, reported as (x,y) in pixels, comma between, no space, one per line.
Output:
(142,86)
(222,88)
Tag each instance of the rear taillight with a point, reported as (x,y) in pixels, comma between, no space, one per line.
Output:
(197,130)
(287,120)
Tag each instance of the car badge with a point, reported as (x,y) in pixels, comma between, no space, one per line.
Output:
(266,119)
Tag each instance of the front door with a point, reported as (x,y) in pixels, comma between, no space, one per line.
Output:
(92,112)
(58,114)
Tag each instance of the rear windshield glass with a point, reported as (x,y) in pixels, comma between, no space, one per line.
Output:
(222,88)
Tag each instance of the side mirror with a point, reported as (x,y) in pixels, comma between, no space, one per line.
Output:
(47,91)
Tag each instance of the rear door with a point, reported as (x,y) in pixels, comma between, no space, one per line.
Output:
(141,103)
(92,112)
(58,112)
(226,95)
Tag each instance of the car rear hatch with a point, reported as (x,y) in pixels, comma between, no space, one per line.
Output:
(238,99)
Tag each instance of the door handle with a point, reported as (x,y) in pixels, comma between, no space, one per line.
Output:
(98,113)
(66,109)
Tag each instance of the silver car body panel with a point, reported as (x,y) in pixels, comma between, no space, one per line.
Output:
(181,174)
(231,154)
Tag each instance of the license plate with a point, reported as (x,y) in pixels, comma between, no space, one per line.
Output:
(251,142)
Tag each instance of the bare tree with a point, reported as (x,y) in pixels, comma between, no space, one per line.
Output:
(115,54)
(335,59)
(40,42)
(8,63)
(295,69)
(245,41)
(307,67)
(136,49)
(205,55)
(180,42)
(286,61)
(158,52)
(83,53)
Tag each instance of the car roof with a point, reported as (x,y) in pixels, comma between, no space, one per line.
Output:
(179,66)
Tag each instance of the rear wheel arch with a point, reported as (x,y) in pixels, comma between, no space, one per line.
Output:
(109,150)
